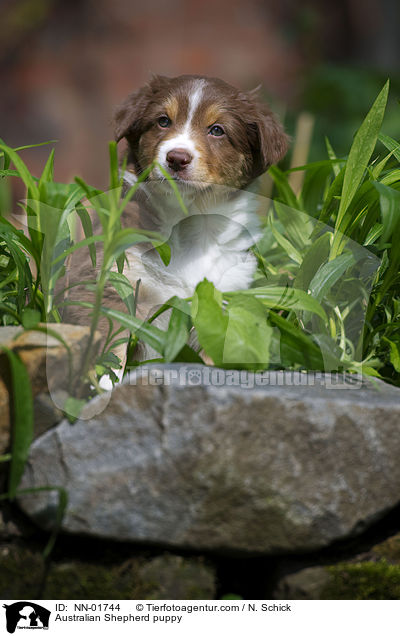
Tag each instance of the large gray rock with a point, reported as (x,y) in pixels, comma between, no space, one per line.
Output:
(176,460)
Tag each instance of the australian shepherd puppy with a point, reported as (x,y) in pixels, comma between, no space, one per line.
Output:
(213,141)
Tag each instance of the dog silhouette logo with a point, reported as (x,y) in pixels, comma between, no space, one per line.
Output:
(26,615)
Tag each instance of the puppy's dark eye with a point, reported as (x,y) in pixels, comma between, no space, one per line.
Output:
(216,131)
(164,121)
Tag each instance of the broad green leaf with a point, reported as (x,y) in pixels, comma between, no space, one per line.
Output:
(248,335)
(72,407)
(296,347)
(30,317)
(164,251)
(209,320)
(394,353)
(178,329)
(187,354)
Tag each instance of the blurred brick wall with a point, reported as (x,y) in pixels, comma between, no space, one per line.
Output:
(66,65)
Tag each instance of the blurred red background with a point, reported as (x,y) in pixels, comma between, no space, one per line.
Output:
(64,66)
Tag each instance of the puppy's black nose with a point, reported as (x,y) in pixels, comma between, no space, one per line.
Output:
(178,159)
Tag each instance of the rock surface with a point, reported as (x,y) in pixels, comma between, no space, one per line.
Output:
(170,576)
(47,362)
(307,584)
(186,459)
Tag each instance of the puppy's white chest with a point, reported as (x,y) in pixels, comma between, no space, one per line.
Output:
(229,269)
(210,243)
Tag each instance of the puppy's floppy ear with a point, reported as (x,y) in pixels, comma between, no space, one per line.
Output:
(267,136)
(273,140)
(127,116)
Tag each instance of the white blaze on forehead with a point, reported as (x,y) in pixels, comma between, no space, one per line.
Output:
(184,139)
(194,100)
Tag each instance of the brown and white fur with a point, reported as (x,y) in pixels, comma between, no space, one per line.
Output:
(213,140)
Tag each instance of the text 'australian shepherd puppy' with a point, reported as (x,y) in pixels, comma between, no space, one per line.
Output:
(213,140)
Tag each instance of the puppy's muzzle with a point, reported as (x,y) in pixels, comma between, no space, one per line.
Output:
(178,159)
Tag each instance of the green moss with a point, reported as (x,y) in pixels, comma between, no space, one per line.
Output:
(363,581)
(162,577)
(22,573)
(87,581)
(389,549)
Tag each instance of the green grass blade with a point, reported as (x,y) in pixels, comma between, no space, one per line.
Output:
(48,172)
(174,187)
(390,210)
(87,241)
(282,185)
(332,157)
(22,431)
(361,151)
(148,333)
(87,230)
(390,144)
(23,171)
(42,143)
(317,254)
(282,298)
(329,273)
(115,180)
(124,289)
(298,226)
(289,248)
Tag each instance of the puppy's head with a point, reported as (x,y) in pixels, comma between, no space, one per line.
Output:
(200,130)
